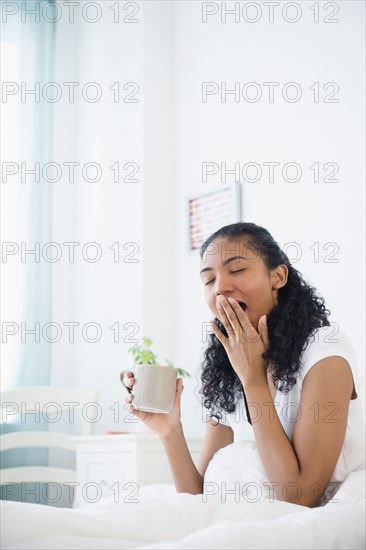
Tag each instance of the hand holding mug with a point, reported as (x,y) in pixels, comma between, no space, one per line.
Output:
(154,396)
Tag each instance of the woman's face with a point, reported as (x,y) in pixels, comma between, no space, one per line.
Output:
(232,268)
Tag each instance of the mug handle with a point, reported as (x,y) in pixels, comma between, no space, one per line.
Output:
(121,376)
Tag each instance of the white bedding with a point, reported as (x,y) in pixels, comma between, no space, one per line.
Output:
(164,519)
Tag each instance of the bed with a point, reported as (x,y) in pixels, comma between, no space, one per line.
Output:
(155,516)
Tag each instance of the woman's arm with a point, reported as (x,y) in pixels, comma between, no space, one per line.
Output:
(217,436)
(187,478)
(300,470)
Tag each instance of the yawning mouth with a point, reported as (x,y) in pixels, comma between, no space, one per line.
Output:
(243,305)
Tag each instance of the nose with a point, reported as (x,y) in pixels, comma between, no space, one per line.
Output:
(223,287)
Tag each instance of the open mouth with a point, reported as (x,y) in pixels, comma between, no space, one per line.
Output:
(243,306)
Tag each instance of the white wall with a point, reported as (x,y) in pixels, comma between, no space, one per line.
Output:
(109,291)
(170,132)
(136,296)
(158,183)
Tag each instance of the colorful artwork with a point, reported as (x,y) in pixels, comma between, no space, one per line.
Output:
(210,211)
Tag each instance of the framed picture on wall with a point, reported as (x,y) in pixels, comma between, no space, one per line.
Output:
(210,210)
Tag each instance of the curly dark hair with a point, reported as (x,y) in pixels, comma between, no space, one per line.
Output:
(291,323)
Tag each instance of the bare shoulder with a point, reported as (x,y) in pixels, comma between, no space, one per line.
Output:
(329,375)
(331,350)
(319,431)
(216,437)
(328,386)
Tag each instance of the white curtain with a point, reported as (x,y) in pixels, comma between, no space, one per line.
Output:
(27,53)
(27,57)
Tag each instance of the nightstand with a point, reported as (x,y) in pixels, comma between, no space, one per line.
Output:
(105,464)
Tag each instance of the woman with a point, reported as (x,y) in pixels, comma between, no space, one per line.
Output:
(282,375)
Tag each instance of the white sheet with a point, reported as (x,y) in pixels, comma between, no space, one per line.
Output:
(164,519)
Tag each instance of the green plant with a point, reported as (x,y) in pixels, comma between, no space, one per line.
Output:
(143,355)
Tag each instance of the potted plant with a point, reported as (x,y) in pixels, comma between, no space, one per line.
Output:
(143,355)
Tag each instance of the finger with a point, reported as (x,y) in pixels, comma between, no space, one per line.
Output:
(140,415)
(179,390)
(218,333)
(226,317)
(129,398)
(250,334)
(231,314)
(241,314)
(263,331)
(127,378)
(129,375)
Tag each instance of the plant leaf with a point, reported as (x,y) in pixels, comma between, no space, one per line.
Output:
(183,373)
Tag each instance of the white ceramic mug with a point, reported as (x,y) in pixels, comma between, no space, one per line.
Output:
(154,388)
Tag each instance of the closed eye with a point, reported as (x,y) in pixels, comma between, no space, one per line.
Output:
(237,271)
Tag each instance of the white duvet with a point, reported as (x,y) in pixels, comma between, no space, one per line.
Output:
(164,519)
